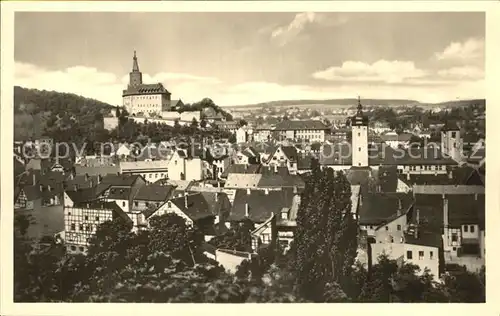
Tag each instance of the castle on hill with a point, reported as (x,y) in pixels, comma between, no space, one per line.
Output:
(152,99)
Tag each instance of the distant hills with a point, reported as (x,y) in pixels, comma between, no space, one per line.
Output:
(353,102)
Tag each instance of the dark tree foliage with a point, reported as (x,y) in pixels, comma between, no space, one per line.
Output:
(326,236)
(237,238)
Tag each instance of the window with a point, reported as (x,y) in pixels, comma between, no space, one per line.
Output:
(454,237)
(420,255)
(169,204)
(466,228)
(472,228)
(81,249)
(86,218)
(266,238)
(431,255)
(73,248)
(97,218)
(359,134)
(136,203)
(409,255)
(69,213)
(73,227)
(80,227)
(359,148)
(386,228)
(399,227)
(147,204)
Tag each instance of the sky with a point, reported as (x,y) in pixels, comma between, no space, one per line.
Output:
(246,58)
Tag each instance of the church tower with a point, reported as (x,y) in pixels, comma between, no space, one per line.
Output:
(359,126)
(135,77)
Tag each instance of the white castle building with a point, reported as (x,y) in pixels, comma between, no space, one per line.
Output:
(141,99)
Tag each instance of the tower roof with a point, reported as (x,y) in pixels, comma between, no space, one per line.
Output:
(359,119)
(135,65)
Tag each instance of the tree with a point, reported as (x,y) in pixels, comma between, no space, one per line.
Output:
(326,234)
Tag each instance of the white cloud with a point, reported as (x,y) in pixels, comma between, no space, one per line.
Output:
(382,71)
(283,34)
(89,82)
(462,73)
(469,50)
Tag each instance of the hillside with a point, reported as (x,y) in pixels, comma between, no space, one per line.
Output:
(352,102)
(38,112)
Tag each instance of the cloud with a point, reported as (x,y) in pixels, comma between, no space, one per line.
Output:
(469,50)
(284,34)
(382,71)
(462,73)
(107,87)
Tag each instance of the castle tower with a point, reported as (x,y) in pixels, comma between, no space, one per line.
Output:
(135,77)
(359,126)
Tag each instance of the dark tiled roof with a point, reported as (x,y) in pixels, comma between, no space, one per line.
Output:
(154,192)
(377,208)
(387,177)
(119,193)
(287,125)
(218,203)
(260,204)
(425,238)
(466,209)
(197,207)
(153,88)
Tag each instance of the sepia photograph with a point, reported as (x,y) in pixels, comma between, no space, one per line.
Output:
(248,157)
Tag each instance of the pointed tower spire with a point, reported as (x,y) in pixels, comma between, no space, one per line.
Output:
(135,76)
(135,66)
(360,107)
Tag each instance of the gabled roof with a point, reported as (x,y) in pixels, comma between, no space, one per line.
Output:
(197,207)
(377,208)
(154,192)
(260,204)
(119,193)
(403,137)
(425,238)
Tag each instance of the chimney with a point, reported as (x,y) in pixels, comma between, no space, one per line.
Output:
(99,179)
(247,212)
(408,175)
(450,175)
(186,200)
(266,191)
(275,168)
(475,196)
(295,190)
(86,177)
(75,187)
(248,191)
(91,183)
(41,188)
(400,205)
(216,197)
(34,178)
(49,188)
